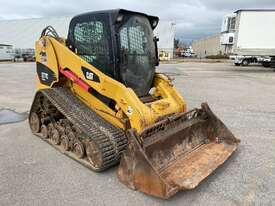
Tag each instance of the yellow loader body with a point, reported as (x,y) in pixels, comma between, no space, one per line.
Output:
(99,121)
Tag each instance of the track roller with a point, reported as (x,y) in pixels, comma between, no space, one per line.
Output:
(78,149)
(44,131)
(65,143)
(55,137)
(35,122)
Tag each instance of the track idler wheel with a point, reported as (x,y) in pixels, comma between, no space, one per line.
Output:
(78,149)
(93,155)
(44,132)
(55,137)
(35,122)
(65,142)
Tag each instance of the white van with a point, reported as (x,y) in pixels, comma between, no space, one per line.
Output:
(6,52)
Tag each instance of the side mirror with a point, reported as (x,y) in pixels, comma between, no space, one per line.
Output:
(156,39)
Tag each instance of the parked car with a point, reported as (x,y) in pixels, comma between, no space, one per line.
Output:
(28,57)
(24,55)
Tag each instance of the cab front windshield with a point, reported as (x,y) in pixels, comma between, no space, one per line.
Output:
(137,54)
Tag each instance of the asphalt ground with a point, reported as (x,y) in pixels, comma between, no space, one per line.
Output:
(34,173)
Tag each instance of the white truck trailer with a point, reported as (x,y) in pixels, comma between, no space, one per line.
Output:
(254,36)
(6,52)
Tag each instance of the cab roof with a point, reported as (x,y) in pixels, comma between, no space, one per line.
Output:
(114,14)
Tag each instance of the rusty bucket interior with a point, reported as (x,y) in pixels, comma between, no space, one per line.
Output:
(176,153)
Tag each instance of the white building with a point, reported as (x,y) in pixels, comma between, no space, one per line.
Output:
(24,32)
(6,52)
(165,31)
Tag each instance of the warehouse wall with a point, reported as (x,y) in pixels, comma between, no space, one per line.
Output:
(208,46)
(24,33)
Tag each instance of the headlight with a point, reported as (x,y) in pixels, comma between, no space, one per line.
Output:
(154,23)
(119,18)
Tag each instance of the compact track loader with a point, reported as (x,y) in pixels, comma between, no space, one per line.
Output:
(100,101)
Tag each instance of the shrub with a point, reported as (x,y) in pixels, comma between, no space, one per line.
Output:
(219,56)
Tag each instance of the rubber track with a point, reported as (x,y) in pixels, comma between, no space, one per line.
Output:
(110,140)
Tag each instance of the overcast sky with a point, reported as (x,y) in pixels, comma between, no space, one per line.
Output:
(194,18)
